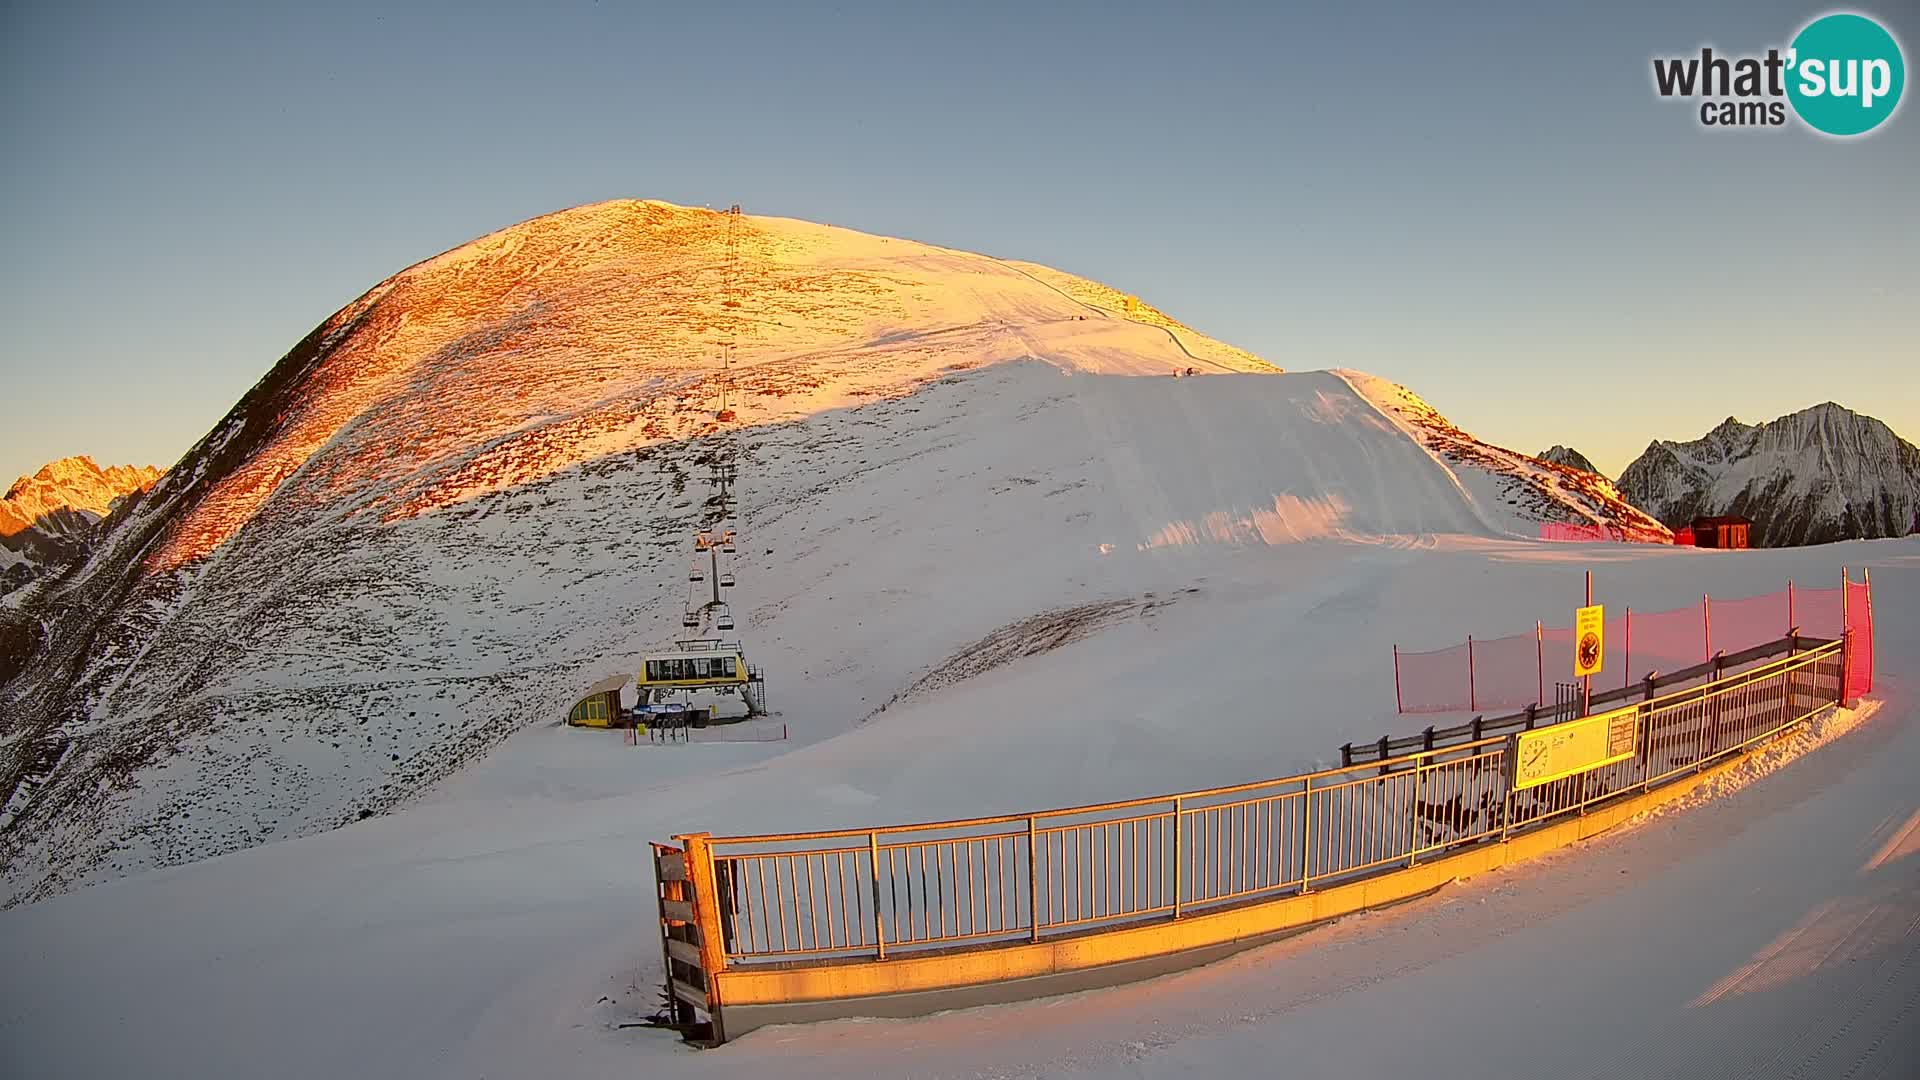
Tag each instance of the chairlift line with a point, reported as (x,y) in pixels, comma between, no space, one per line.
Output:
(715,536)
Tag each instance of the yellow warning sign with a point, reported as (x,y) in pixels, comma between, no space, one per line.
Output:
(1562,750)
(1589,640)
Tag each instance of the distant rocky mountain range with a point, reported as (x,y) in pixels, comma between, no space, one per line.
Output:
(1815,476)
(52,517)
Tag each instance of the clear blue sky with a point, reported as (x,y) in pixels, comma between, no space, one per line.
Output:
(1493,209)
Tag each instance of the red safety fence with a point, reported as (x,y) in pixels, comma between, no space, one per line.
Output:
(1588,533)
(1859,615)
(1519,670)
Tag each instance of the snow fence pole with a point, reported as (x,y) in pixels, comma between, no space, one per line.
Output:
(1473,699)
(1399,706)
(1791,622)
(1539,660)
(1846,640)
(1866,573)
(1626,669)
(1706,617)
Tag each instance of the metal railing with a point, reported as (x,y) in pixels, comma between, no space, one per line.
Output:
(865,893)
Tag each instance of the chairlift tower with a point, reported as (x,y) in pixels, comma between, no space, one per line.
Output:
(711,576)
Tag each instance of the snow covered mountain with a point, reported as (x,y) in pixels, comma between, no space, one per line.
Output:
(51,517)
(1568,456)
(468,495)
(1812,477)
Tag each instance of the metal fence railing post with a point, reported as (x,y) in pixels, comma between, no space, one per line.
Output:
(879,927)
(1179,868)
(1413,806)
(1033,876)
(1306,834)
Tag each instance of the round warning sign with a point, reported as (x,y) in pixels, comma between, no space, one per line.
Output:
(1590,640)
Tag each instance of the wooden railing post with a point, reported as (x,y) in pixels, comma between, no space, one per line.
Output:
(706,920)
(706,901)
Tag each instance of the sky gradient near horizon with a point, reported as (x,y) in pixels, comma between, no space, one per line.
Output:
(1496,211)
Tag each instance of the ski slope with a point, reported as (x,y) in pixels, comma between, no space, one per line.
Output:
(499,926)
(468,496)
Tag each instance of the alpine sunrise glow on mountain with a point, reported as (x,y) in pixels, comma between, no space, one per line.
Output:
(468,495)
(1812,477)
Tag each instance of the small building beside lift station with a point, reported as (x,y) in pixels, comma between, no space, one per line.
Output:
(1720,531)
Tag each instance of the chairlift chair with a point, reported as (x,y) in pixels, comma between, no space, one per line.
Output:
(726,579)
(725,622)
(696,574)
(690,619)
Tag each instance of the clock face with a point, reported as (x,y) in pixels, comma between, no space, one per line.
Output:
(1589,650)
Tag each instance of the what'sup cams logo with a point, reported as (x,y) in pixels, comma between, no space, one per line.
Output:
(1842,76)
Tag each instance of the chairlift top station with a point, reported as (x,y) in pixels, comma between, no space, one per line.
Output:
(702,661)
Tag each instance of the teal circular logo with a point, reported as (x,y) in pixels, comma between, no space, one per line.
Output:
(1845,74)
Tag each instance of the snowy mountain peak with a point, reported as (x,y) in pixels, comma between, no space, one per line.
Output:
(469,494)
(1567,456)
(71,483)
(1824,473)
(51,517)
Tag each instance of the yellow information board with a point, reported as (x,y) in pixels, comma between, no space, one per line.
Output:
(1562,750)
(1589,640)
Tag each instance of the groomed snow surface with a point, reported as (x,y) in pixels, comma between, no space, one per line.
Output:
(502,926)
